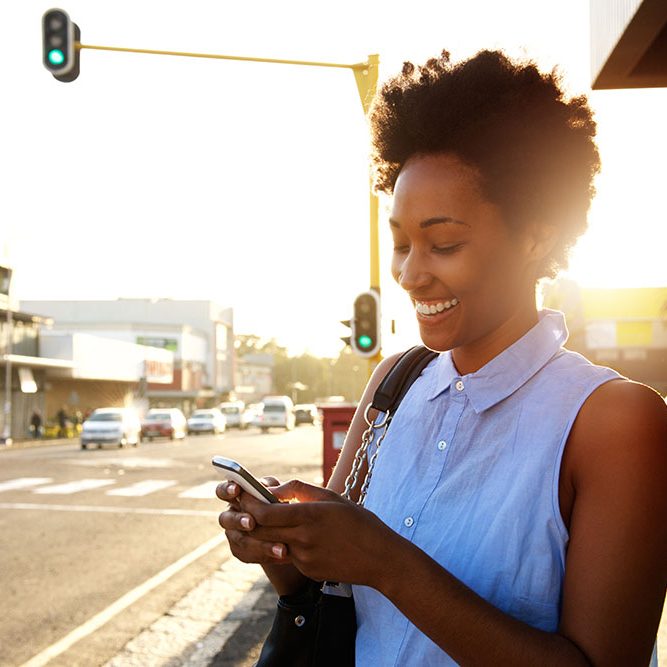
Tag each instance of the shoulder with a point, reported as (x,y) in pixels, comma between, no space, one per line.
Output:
(622,426)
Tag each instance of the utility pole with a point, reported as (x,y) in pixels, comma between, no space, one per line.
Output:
(7,422)
(6,438)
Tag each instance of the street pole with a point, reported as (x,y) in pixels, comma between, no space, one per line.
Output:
(7,422)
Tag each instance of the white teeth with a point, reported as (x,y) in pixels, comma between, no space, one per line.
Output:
(432,309)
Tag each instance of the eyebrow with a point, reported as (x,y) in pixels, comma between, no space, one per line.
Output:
(442,220)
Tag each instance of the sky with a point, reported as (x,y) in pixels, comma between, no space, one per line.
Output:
(245,183)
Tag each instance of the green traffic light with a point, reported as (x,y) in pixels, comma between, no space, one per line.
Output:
(364,342)
(56,57)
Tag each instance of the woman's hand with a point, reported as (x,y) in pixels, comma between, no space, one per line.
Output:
(323,535)
(238,523)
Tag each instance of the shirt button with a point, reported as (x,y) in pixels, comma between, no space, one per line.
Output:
(459,385)
(441,445)
(409,521)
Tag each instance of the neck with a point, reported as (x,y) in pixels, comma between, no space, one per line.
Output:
(471,357)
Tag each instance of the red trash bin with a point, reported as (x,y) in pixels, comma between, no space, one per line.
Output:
(336,421)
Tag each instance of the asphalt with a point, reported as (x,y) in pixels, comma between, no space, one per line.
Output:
(235,634)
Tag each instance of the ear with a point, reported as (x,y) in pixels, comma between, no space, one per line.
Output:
(539,240)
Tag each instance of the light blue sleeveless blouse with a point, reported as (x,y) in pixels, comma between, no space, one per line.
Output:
(468,472)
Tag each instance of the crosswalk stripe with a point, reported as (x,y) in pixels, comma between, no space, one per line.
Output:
(205,490)
(23,483)
(142,488)
(74,487)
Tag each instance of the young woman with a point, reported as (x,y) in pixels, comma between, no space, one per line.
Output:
(517,512)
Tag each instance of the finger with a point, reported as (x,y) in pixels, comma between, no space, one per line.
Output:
(249,550)
(235,520)
(297,490)
(269,481)
(228,491)
(291,515)
(250,504)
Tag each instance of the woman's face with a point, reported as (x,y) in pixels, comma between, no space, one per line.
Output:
(469,276)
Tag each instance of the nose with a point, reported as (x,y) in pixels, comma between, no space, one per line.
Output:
(410,273)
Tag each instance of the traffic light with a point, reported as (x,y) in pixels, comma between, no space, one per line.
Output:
(60,45)
(366,324)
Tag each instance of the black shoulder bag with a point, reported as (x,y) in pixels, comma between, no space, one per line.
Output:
(317,626)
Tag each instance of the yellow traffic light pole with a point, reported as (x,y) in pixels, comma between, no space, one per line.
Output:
(366,77)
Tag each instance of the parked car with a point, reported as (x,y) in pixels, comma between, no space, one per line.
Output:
(252,412)
(236,414)
(306,413)
(209,420)
(164,423)
(112,426)
(277,411)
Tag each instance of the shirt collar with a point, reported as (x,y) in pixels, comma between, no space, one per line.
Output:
(511,369)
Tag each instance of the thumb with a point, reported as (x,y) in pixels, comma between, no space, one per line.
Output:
(300,491)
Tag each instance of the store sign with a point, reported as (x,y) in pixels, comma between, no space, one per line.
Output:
(170,344)
(159,371)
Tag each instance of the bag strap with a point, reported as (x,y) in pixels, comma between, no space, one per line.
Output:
(399,379)
(386,399)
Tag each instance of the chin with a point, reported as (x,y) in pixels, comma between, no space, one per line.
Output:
(436,341)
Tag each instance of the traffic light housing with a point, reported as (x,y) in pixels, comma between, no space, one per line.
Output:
(60,45)
(365,340)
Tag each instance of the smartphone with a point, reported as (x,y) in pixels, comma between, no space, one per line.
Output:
(235,472)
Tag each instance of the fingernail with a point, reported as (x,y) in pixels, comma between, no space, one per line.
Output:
(231,487)
(245,521)
(277,550)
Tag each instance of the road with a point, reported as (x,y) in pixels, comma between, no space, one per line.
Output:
(82,529)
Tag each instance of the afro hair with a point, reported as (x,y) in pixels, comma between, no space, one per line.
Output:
(533,149)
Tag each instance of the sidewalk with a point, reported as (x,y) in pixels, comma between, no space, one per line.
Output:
(222,622)
(41,442)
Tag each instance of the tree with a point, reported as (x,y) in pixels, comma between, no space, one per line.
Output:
(345,375)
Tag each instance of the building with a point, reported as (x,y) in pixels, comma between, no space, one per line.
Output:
(254,377)
(628,43)
(199,334)
(43,369)
(624,328)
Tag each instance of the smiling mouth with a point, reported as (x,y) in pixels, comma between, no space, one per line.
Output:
(434,308)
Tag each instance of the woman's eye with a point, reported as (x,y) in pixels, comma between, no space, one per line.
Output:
(401,249)
(446,249)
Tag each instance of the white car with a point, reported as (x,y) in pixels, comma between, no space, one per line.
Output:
(209,420)
(112,426)
(277,411)
(236,414)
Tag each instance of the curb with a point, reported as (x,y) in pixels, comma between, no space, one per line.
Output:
(46,442)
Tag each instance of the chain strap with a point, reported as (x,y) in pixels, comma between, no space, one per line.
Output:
(366,439)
